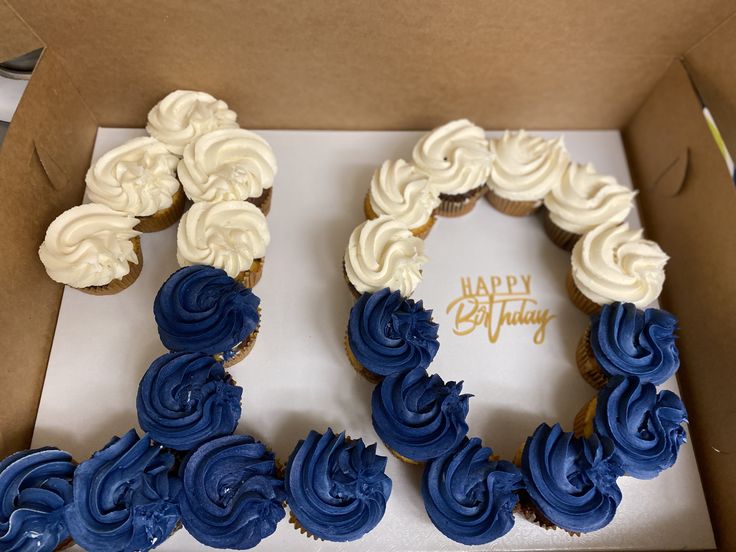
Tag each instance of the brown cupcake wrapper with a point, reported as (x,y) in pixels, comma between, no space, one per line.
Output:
(587,364)
(357,366)
(457,205)
(560,237)
(63,545)
(578,299)
(249,278)
(420,232)
(263,201)
(351,287)
(298,526)
(583,424)
(119,285)
(403,458)
(535,515)
(165,217)
(511,207)
(242,349)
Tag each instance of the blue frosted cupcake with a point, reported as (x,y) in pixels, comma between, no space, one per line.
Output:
(336,487)
(388,333)
(231,496)
(35,486)
(468,496)
(185,399)
(200,309)
(124,497)
(419,417)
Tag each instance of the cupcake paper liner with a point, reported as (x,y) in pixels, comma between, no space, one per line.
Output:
(587,364)
(119,285)
(420,232)
(583,424)
(457,205)
(263,201)
(249,278)
(298,526)
(404,459)
(578,299)
(242,349)
(357,366)
(535,515)
(560,237)
(510,206)
(165,217)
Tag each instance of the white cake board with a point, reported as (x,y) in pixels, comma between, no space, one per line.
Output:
(298,378)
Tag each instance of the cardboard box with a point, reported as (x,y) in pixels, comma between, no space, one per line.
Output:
(395,65)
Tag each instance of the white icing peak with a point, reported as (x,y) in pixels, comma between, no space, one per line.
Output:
(136,177)
(455,156)
(383,253)
(227,164)
(614,263)
(89,245)
(229,235)
(184,115)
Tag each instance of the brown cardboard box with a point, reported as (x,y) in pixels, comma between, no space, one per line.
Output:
(395,65)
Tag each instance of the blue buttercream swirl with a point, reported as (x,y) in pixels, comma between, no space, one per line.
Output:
(571,480)
(388,333)
(35,485)
(185,399)
(629,342)
(200,309)
(419,416)
(468,496)
(124,497)
(645,426)
(336,487)
(231,497)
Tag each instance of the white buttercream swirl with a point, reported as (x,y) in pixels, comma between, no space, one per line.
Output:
(614,263)
(229,235)
(227,164)
(136,178)
(89,245)
(184,115)
(383,253)
(455,156)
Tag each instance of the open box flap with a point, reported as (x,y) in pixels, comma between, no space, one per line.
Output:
(16,38)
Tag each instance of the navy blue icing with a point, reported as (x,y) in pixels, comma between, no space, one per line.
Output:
(419,416)
(231,496)
(124,497)
(629,342)
(185,399)
(645,426)
(470,497)
(336,487)
(571,480)
(200,309)
(35,485)
(387,333)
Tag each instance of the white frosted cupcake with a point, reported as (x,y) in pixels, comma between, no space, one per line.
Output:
(524,169)
(93,248)
(229,164)
(138,178)
(231,235)
(184,115)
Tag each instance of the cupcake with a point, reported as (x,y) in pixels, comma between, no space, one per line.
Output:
(138,178)
(418,416)
(184,115)
(336,487)
(401,191)
(229,164)
(469,496)
(524,169)
(583,200)
(645,427)
(624,341)
(185,399)
(93,249)
(455,156)
(231,496)
(383,253)
(231,235)
(200,309)
(614,263)
(124,497)
(35,486)
(388,334)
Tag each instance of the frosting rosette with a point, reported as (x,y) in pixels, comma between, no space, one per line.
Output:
(229,235)
(89,245)
(383,253)
(388,333)
(185,399)
(184,115)
(137,177)
(646,427)
(231,496)
(124,497)
(200,309)
(630,342)
(419,416)
(35,486)
(614,263)
(468,496)
(227,164)
(336,486)
(570,480)
(455,156)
